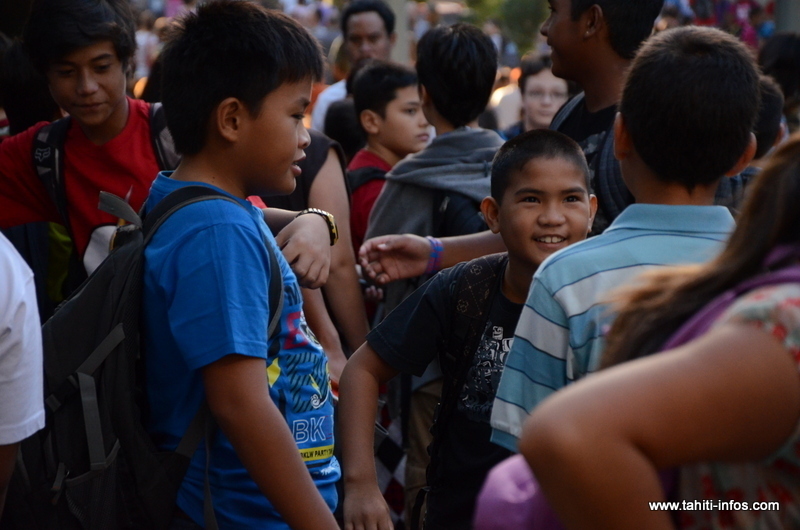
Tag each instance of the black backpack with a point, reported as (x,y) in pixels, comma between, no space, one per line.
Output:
(48,159)
(94,465)
(473,295)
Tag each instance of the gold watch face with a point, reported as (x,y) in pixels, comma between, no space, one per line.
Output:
(334,228)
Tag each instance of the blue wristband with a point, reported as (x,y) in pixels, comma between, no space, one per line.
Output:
(435,258)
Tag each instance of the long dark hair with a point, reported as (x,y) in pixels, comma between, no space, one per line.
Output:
(650,311)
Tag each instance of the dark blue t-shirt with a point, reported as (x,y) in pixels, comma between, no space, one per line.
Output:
(206,279)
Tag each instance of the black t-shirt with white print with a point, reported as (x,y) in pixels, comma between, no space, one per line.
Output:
(408,339)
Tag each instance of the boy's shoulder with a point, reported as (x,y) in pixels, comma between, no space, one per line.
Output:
(644,234)
(452,160)
(194,219)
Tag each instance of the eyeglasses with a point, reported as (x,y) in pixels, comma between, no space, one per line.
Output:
(541,95)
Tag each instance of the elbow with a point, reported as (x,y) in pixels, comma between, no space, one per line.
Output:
(553,442)
(343,261)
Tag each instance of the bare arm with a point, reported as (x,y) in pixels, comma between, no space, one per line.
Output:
(385,259)
(364,506)
(305,243)
(320,323)
(731,395)
(238,396)
(8,455)
(342,291)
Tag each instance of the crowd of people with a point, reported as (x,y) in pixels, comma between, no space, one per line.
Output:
(436,296)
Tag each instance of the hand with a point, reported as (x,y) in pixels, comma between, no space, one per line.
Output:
(373,294)
(305,243)
(365,508)
(385,259)
(335,366)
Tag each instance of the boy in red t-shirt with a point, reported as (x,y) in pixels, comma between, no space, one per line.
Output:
(389,110)
(84,48)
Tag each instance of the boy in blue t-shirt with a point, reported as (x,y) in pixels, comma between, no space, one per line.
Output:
(540,203)
(237,81)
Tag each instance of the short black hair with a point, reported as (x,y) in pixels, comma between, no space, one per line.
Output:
(375,85)
(690,102)
(538,143)
(780,59)
(365,6)
(629,23)
(23,91)
(57,28)
(531,65)
(770,113)
(228,49)
(457,66)
(343,125)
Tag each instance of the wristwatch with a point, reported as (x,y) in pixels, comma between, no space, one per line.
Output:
(329,219)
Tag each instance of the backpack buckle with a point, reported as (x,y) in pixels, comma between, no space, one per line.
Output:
(58,483)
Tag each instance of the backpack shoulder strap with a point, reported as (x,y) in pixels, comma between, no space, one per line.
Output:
(565,111)
(163,144)
(611,190)
(191,194)
(48,159)
(472,299)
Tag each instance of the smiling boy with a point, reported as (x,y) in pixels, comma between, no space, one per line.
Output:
(540,203)
(673,167)
(239,126)
(84,48)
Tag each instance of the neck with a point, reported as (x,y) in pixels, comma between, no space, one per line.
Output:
(528,126)
(517,281)
(109,129)
(440,124)
(603,84)
(650,189)
(382,151)
(209,169)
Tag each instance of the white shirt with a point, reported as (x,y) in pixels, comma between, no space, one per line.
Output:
(335,92)
(21,369)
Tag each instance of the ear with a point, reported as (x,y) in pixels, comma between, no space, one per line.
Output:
(781,134)
(230,118)
(393,38)
(592,211)
(593,21)
(490,210)
(424,97)
(371,121)
(623,144)
(745,159)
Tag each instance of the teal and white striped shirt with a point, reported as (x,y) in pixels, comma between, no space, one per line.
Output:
(559,337)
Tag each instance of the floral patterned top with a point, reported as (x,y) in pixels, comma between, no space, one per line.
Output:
(776,310)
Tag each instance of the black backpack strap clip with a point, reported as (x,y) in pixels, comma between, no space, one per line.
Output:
(163,144)
(48,159)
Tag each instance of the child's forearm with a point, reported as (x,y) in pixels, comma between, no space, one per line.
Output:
(345,299)
(364,506)
(277,219)
(358,403)
(321,325)
(464,248)
(239,400)
(342,291)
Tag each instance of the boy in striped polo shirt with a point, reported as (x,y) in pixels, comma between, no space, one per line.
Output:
(673,146)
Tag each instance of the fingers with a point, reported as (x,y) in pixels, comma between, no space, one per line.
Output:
(311,273)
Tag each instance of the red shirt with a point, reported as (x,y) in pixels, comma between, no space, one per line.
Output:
(364,196)
(125,166)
